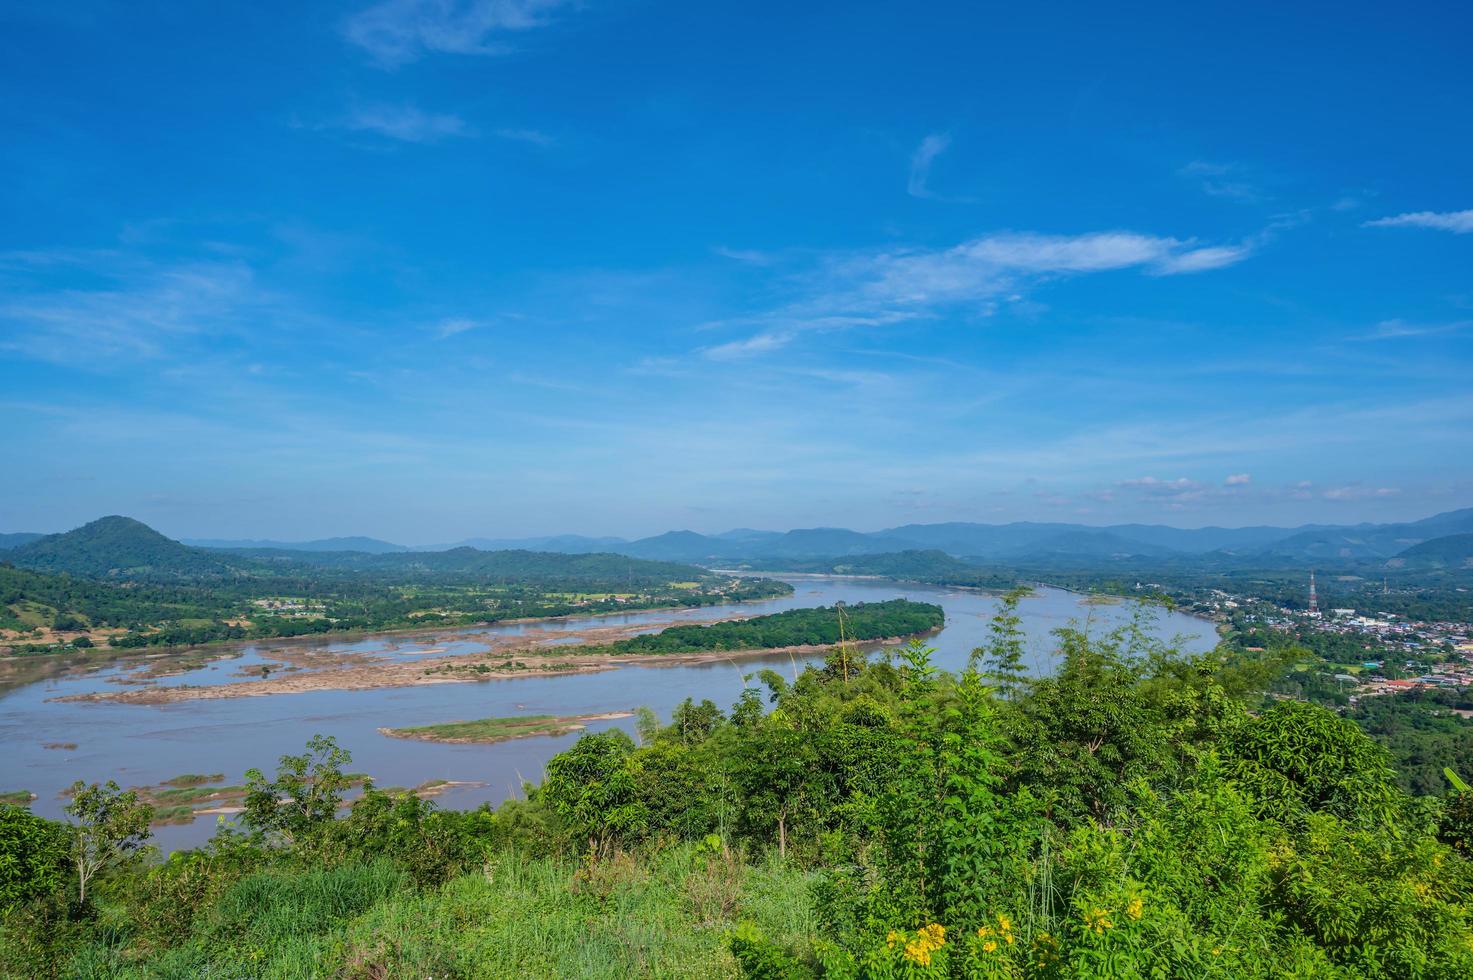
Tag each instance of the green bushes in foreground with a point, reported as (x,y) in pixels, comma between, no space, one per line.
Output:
(1126,817)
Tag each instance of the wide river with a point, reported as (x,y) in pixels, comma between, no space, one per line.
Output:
(145,744)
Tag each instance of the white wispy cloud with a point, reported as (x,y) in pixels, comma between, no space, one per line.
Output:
(141,312)
(451,326)
(1238,480)
(1457,222)
(848,290)
(1221,180)
(1397,329)
(397,32)
(1163,488)
(920,163)
(995,264)
(534,136)
(748,256)
(406,122)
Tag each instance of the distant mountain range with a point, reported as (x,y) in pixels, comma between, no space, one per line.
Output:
(1029,542)
(371,546)
(120,548)
(1024,543)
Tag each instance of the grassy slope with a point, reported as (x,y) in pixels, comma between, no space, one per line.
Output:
(666,916)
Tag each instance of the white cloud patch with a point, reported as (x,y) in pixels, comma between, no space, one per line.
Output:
(397,32)
(1457,222)
(407,123)
(1357,492)
(1238,480)
(920,163)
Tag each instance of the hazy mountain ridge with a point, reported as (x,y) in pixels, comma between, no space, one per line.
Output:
(372,546)
(1017,542)
(1449,551)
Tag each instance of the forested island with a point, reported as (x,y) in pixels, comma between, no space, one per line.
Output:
(824,626)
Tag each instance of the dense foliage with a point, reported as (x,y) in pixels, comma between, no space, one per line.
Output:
(821,626)
(1127,817)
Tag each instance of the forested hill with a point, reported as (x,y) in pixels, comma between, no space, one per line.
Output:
(823,626)
(487,566)
(1451,551)
(120,547)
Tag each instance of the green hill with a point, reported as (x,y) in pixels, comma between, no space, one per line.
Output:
(1450,551)
(120,547)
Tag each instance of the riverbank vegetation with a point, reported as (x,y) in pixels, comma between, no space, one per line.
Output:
(1127,817)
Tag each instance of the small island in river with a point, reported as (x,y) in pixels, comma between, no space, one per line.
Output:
(488,730)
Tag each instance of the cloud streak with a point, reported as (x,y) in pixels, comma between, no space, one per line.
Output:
(1457,222)
(849,290)
(406,123)
(920,163)
(398,32)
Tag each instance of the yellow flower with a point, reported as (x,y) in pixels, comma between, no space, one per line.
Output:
(985,931)
(893,938)
(1135,908)
(989,947)
(918,952)
(935,932)
(1098,920)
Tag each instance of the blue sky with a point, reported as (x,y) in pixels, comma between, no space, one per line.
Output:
(427,269)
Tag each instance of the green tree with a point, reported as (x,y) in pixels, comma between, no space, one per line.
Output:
(111,825)
(34,854)
(592,787)
(305,795)
(1001,658)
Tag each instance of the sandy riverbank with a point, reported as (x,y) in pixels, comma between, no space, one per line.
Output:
(502,658)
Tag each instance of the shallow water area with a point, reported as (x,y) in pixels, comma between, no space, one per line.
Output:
(145,744)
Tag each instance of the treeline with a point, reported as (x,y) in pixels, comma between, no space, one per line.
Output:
(182,613)
(1129,816)
(824,625)
(84,602)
